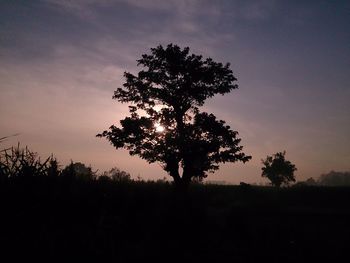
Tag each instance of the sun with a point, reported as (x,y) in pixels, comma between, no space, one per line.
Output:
(159,128)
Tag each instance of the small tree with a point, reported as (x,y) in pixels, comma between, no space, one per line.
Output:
(278,170)
(166,125)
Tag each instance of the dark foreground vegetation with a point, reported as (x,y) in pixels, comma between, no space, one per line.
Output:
(54,214)
(64,218)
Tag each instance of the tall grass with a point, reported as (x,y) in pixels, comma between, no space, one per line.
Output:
(17,161)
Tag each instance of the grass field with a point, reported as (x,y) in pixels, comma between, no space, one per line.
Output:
(56,218)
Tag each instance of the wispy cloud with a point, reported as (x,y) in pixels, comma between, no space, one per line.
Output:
(256,10)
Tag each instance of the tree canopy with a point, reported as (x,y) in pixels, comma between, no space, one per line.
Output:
(165,123)
(278,170)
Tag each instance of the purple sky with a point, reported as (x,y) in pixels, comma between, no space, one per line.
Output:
(61,60)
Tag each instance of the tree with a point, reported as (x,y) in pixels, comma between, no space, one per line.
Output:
(166,125)
(117,175)
(278,170)
(79,170)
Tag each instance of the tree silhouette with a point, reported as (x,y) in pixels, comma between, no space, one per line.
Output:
(278,170)
(116,175)
(79,170)
(166,125)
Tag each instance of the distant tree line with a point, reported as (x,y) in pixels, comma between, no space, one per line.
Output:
(332,178)
(22,162)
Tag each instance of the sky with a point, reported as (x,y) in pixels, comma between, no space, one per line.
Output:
(61,60)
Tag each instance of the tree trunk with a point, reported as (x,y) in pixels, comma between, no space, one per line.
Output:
(181,183)
(186,175)
(174,173)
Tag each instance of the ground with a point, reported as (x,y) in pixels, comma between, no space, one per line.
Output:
(66,219)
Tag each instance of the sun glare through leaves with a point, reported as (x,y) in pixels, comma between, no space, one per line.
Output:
(159,128)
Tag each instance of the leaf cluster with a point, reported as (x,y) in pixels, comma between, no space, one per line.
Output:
(175,78)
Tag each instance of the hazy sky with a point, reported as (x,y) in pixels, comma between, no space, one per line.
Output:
(61,60)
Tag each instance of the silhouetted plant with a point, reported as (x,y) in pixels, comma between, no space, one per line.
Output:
(104,178)
(197,180)
(309,182)
(2,139)
(53,169)
(278,170)
(169,90)
(22,162)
